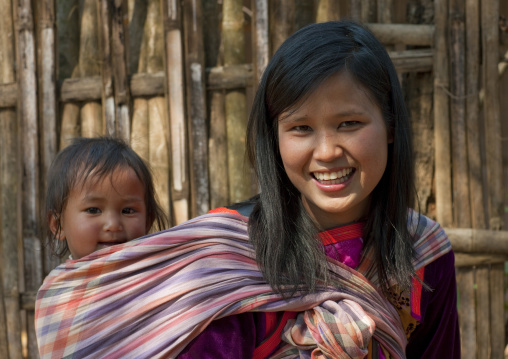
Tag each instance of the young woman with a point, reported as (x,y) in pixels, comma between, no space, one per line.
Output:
(328,261)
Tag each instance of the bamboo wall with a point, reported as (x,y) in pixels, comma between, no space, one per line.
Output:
(176,79)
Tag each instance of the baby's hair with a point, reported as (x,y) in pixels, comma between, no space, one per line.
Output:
(94,159)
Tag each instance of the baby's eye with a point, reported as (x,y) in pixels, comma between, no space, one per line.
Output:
(128,211)
(93,210)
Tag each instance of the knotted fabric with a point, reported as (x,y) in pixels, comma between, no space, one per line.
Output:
(150,297)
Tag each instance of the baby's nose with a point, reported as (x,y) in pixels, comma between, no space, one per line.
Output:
(113,222)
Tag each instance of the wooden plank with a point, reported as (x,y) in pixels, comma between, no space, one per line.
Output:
(230,77)
(444,212)
(482,311)
(478,240)
(176,103)
(327,10)
(147,84)
(497,311)
(406,34)
(460,172)
(491,111)
(467,322)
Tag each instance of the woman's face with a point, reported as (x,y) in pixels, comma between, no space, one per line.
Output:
(334,147)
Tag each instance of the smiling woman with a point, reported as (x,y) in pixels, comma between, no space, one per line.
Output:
(334,147)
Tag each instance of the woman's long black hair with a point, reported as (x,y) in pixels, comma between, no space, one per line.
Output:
(285,237)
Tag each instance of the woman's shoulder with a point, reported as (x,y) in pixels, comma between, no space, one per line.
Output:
(430,239)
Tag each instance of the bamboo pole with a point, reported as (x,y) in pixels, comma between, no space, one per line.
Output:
(384,11)
(477,259)
(443,176)
(282,18)
(236,102)
(175,88)
(196,107)
(491,111)
(217,143)
(407,34)
(89,65)
(305,13)
(478,240)
(150,112)
(457,54)
(482,311)
(465,287)
(107,93)
(472,74)
(119,42)
(327,10)
(10,321)
(27,112)
(47,99)
(369,11)
(68,43)
(497,328)
(261,40)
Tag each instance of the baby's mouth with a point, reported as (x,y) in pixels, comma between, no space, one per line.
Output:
(336,177)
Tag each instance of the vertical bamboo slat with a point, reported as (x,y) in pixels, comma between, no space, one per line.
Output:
(261,43)
(119,56)
(107,93)
(442,148)
(157,130)
(457,54)
(27,112)
(236,102)
(491,108)
(497,327)
(482,311)
(139,133)
(465,287)
(175,89)
(217,142)
(327,10)
(472,114)
(281,17)
(89,65)
(196,107)
(47,100)
(10,321)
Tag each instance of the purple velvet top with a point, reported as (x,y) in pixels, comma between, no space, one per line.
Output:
(437,335)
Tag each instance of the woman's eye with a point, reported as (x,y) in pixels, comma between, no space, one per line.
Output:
(93,210)
(302,128)
(349,123)
(128,211)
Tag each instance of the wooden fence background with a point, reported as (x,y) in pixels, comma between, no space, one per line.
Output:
(176,79)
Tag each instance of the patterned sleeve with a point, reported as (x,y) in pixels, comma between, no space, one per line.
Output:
(437,336)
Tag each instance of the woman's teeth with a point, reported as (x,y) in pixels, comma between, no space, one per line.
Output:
(333,177)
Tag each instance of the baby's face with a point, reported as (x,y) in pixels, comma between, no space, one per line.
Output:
(103,213)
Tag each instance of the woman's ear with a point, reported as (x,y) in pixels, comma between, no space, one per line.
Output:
(56,227)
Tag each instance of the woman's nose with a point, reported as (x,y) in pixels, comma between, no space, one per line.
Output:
(327,148)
